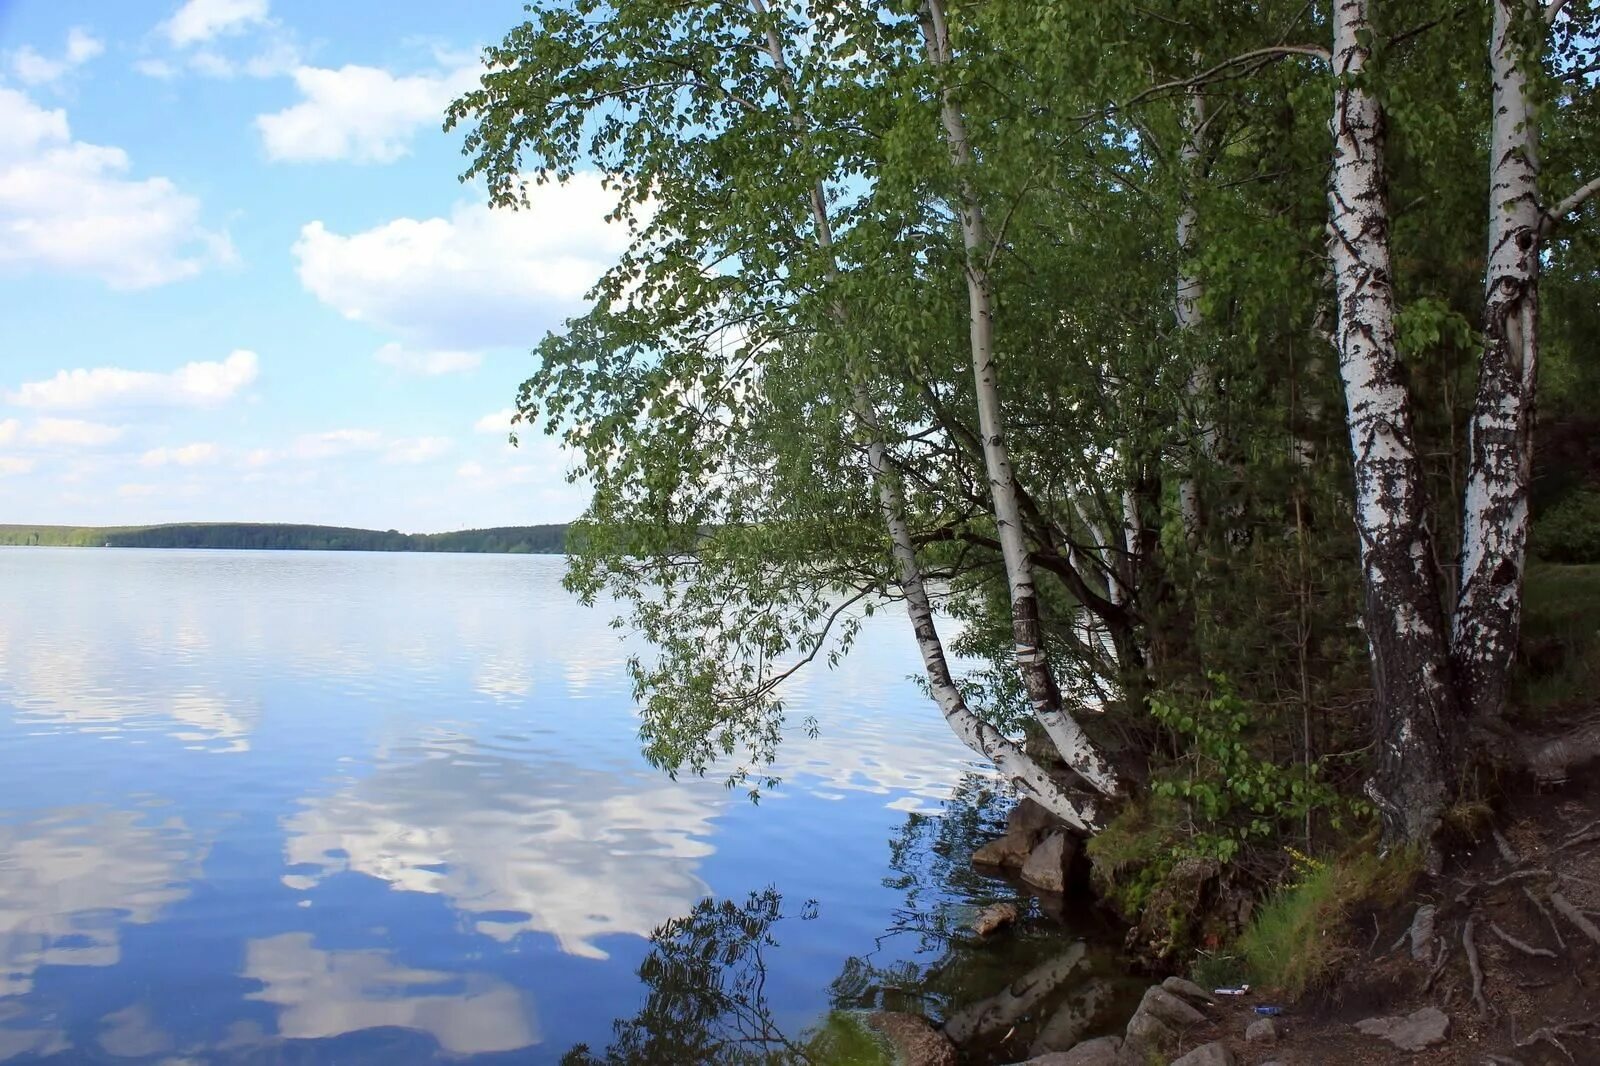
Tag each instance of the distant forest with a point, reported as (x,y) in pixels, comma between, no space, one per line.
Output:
(515,540)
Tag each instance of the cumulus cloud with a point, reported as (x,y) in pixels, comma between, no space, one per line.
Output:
(496,422)
(204,384)
(480,278)
(69,206)
(417,449)
(33,68)
(198,21)
(70,433)
(335,442)
(427,363)
(11,466)
(196,454)
(359,114)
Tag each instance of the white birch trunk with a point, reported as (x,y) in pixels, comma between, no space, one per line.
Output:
(1415,714)
(1494,530)
(1190,291)
(981,737)
(1080,753)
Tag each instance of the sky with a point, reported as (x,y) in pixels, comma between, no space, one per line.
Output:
(241,281)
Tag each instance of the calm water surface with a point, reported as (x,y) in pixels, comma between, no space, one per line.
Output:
(331,807)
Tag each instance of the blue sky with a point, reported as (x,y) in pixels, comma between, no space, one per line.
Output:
(240,280)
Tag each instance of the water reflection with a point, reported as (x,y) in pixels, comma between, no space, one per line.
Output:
(322,993)
(72,878)
(575,852)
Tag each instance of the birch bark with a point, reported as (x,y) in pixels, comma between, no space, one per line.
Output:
(1488,611)
(1190,291)
(1032,660)
(1415,711)
(1009,758)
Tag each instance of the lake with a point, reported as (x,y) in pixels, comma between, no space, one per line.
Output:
(349,807)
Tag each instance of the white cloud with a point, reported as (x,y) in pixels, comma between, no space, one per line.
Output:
(198,21)
(196,454)
(191,385)
(33,68)
(10,466)
(417,449)
(159,69)
(68,206)
(359,114)
(496,422)
(70,433)
(336,442)
(427,363)
(10,428)
(480,278)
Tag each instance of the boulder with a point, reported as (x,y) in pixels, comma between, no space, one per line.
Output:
(1188,990)
(1414,1032)
(1008,851)
(915,1039)
(1148,1029)
(1213,1054)
(994,917)
(1048,862)
(1261,1031)
(1029,819)
(1176,1012)
(1026,825)
(1104,1051)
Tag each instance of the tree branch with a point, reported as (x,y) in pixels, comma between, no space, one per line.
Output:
(1556,215)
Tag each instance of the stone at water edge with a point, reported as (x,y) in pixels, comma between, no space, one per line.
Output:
(994,917)
(915,1039)
(1008,851)
(1026,825)
(1169,1008)
(1214,1054)
(1104,1051)
(1261,1031)
(1417,1030)
(1047,864)
(1029,819)
(1189,991)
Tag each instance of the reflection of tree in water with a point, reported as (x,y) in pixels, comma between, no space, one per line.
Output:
(706,974)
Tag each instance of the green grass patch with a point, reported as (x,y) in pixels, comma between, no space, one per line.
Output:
(1299,937)
(1560,639)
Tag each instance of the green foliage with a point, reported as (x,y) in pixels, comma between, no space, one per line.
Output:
(1561,640)
(1231,796)
(1569,532)
(548,540)
(1298,938)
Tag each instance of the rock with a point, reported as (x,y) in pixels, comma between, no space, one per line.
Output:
(994,917)
(1261,1031)
(1169,1008)
(1417,1030)
(1148,1029)
(1067,1026)
(916,1040)
(1213,1054)
(1007,851)
(1189,991)
(1187,892)
(1422,934)
(1104,1051)
(1029,820)
(1047,864)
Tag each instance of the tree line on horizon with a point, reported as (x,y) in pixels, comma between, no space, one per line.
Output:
(266,536)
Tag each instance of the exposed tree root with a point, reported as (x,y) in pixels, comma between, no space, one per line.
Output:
(1551,1034)
(1572,914)
(1441,956)
(1539,906)
(1526,949)
(1469,944)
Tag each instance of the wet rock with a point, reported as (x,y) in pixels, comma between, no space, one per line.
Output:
(1028,819)
(994,917)
(1420,1029)
(1261,1031)
(1422,934)
(1075,1017)
(1104,1051)
(1047,864)
(1188,990)
(1148,1029)
(1176,1012)
(1008,851)
(916,1040)
(1213,1054)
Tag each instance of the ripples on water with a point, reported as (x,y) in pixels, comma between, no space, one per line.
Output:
(387,808)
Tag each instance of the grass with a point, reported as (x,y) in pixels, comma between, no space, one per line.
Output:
(1298,939)
(1561,639)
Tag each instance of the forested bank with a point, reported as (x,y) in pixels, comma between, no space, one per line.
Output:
(1219,367)
(520,540)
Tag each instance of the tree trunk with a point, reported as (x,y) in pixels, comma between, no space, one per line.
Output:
(1009,758)
(1494,528)
(1075,747)
(1190,291)
(1416,720)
